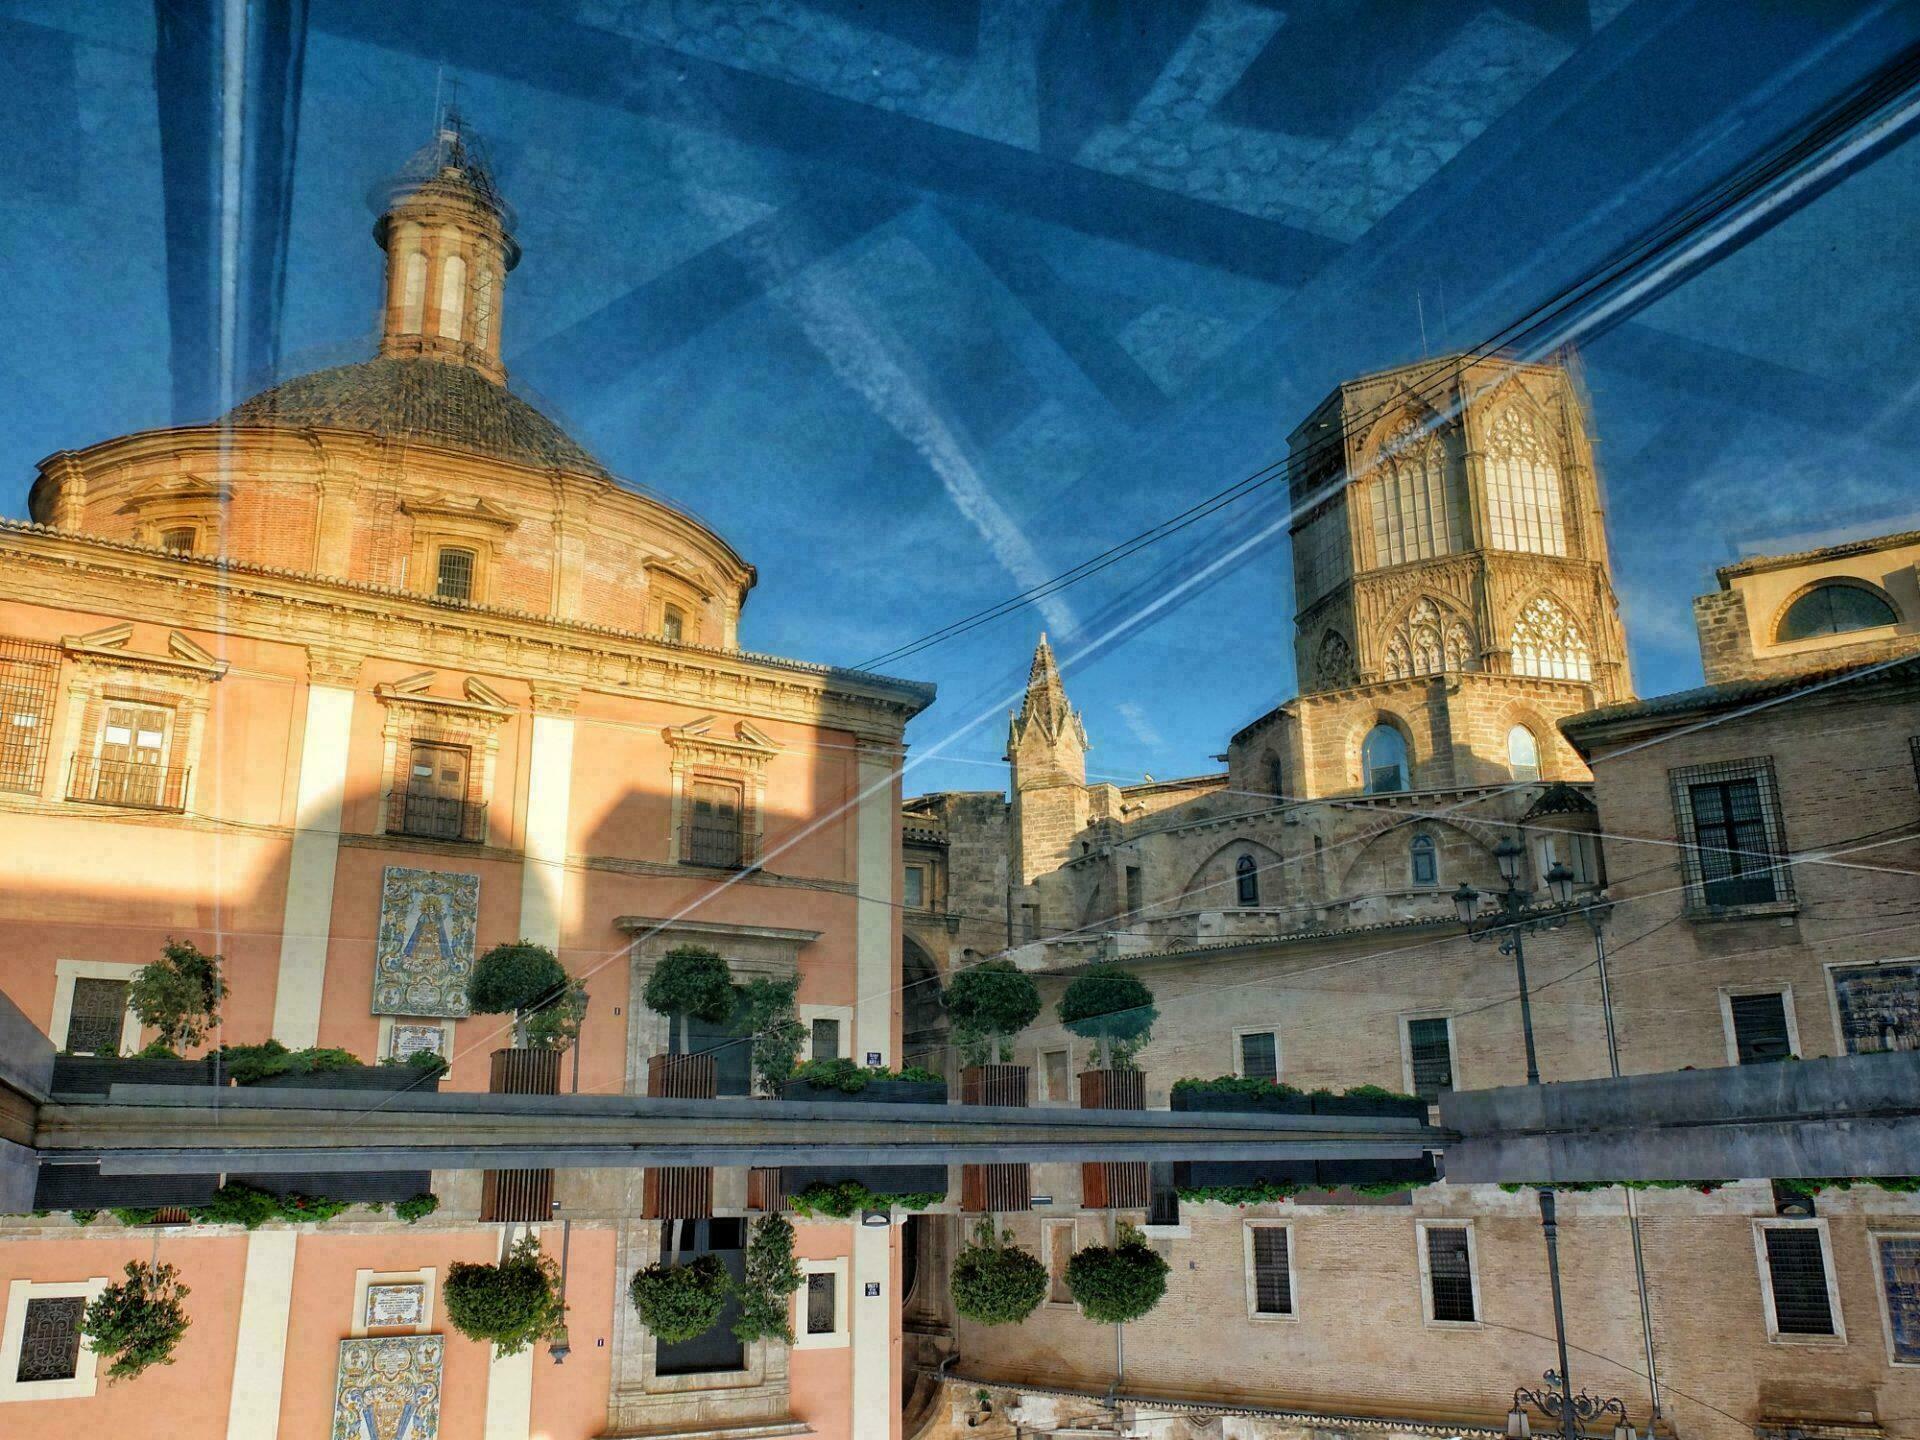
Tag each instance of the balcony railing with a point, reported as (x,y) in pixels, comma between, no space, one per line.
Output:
(120,782)
(436,817)
(724,847)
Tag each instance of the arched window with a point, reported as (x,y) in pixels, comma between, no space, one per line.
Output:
(1419,508)
(1383,760)
(1547,643)
(673,624)
(413,293)
(1523,753)
(1246,876)
(1834,609)
(1426,860)
(453,296)
(1523,487)
(1417,648)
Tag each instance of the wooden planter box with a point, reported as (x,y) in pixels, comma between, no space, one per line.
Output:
(683,1077)
(677,1192)
(523,1197)
(994,1085)
(875,1092)
(995,1189)
(1113,1090)
(524,1072)
(390,1079)
(1115,1185)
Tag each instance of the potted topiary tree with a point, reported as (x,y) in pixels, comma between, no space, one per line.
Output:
(680,1302)
(690,983)
(994,1281)
(136,1322)
(522,978)
(1115,1010)
(988,1004)
(772,1275)
(179,997)
(510,1305)
(1116,1283)
(770,1020)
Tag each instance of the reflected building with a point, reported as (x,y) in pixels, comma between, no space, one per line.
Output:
(1463,683)
(377,671)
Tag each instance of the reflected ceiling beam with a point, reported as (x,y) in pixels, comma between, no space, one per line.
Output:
(533,48)
(226,175)
(603,349)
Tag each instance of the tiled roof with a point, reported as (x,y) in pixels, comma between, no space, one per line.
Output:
(426,400)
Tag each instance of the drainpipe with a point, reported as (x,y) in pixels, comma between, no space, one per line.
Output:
(1633,1215)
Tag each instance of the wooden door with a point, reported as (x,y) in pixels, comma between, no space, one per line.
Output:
(132,750)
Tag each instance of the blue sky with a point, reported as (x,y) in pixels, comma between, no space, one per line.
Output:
(919,304)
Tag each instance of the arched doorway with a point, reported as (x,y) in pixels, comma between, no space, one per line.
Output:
(923,1015)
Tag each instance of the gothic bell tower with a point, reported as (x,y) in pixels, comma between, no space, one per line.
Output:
(1047,747)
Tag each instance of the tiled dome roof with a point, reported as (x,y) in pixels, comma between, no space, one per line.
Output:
(426,400)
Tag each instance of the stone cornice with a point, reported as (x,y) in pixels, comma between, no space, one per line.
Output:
(631,924)
(103,648)
(349,619)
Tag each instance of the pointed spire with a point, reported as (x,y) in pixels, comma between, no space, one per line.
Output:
(1046,711)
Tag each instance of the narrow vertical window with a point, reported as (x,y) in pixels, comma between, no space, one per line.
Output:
(1426,860)
(1523,753)
(1430,1056)
(483,308)
(714,833)
(673,623)
(413,293)
(913,888)
(1136,893)
(453,296)
(1797,1276)
(1246,880)
(826,1039)
(820,1303)
(1272,1273)
(1383,760)
(1276,778)
(1450,1275)
(1523,488)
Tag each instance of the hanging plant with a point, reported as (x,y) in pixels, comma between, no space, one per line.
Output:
(137,1322)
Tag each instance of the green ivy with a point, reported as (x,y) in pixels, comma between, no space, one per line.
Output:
(1261,1192)
(1237,1085)
(1705,1187)
(84,1217)
(771,1276)
(1894,1184)
(839,1199)
(133,1216)
(417,1208)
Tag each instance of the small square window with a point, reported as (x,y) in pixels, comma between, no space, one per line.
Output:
(453,574)
(1258,1055)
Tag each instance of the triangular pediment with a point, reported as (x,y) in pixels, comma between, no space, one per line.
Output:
(479,510)
(177,487)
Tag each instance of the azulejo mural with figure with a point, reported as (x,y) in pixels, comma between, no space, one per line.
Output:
(424,952)
(389,1388)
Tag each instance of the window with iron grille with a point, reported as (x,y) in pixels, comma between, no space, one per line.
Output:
(180,537)
(1732,842)
(1272,1281)
(826,1039)
(50,1339)
(713,826)
(1760,1032)
(1430,1053)
(820,1304)
(453,577)
(27,674)
(1450,1274)
(673,623)
(1797,1268)
(434,804)
(1260,1055)
(98,1013)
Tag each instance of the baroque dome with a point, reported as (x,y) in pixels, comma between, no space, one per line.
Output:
(432,401)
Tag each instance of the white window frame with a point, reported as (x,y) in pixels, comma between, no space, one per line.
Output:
(1839,1335)
(842,1334)
(1782,988)
(1254,1313)
(1874,1237)
(363,1280)
(1406,1047)
(1420,1228)
(1040,1053)
(85,1379)
(842,1013)
(1047,1227)
(1245,1030)
(65,972)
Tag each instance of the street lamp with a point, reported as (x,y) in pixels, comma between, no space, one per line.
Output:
(558,1346)
(1573,1412)
(1515,915)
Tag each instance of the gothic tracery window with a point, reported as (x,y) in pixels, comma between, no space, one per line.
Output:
(1547,643)
(1419,501)
(1426,643)
(1333,666)
(1523,487)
